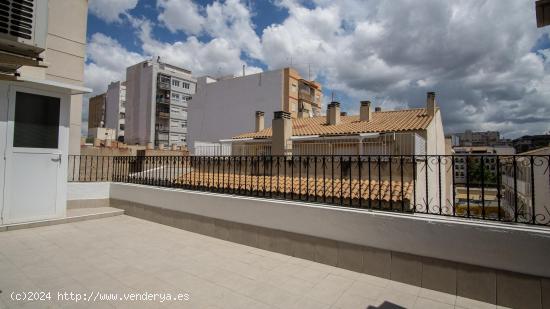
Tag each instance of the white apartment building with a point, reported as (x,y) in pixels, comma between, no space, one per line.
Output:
(42,48)
(224,107)
(115,108)
(157,96)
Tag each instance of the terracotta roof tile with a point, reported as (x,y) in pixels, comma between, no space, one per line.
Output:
(336,188)
(385,121)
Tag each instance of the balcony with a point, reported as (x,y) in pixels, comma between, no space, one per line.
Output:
(163,82)
(371,213)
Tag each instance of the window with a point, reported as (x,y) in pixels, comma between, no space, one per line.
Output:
(175,83)
(175,96)
(36,123)
(122,115)
(121,127)
(185,85)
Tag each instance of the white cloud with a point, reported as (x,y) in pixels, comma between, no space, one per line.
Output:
(180,15)
(392,52)
(230,20)
(110,10)
(107,62)
(480,63)
(216,57)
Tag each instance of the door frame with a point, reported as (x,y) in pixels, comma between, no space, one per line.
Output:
(6,138)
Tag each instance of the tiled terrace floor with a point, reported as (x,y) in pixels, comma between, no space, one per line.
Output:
(124,254)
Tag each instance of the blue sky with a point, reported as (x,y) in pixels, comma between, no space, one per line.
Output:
(389,53)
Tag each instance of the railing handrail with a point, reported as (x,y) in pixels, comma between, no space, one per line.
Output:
(426,184)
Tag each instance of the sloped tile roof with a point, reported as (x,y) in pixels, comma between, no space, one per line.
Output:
(321,189)
(384,121)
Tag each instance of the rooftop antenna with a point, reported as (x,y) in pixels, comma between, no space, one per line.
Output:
(244,66)
(332,96)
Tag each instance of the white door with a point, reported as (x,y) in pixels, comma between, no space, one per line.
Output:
(33,154)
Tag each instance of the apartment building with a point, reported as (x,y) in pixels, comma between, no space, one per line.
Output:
(157,97)
(96,111)
(224,107)
(41,90)
(483,138)
(400,144)
(115,108)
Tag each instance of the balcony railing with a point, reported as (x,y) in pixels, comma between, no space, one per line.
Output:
(409,184)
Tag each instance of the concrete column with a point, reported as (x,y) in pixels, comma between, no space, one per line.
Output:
(282,132)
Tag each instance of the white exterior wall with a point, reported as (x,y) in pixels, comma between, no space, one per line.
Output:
(493,245)
(64,54)
(435,145)
(223,109)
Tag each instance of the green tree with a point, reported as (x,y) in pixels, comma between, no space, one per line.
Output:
(478,171)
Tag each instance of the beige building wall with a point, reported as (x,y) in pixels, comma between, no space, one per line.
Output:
(64,55)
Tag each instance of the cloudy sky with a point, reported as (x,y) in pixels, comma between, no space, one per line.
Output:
(487,61)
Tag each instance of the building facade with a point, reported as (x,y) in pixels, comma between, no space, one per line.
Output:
(115,107)
(96,111)
(470,138)
(103,134)
(526,186)
(42,102)
(398,151)
(157,97)
(225,107)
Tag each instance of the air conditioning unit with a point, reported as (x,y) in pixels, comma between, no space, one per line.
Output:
(23,26)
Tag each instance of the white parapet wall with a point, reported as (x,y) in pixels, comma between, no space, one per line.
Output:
(88,191)
(515,248)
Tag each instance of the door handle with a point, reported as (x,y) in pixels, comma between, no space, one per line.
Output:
(58,159)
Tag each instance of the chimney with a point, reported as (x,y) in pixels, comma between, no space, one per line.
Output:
(260,121)
(430,104)
(364,111)
(281,134)
(333,113)
(378,109)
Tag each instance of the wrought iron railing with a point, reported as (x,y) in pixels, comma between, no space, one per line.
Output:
(516,191)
